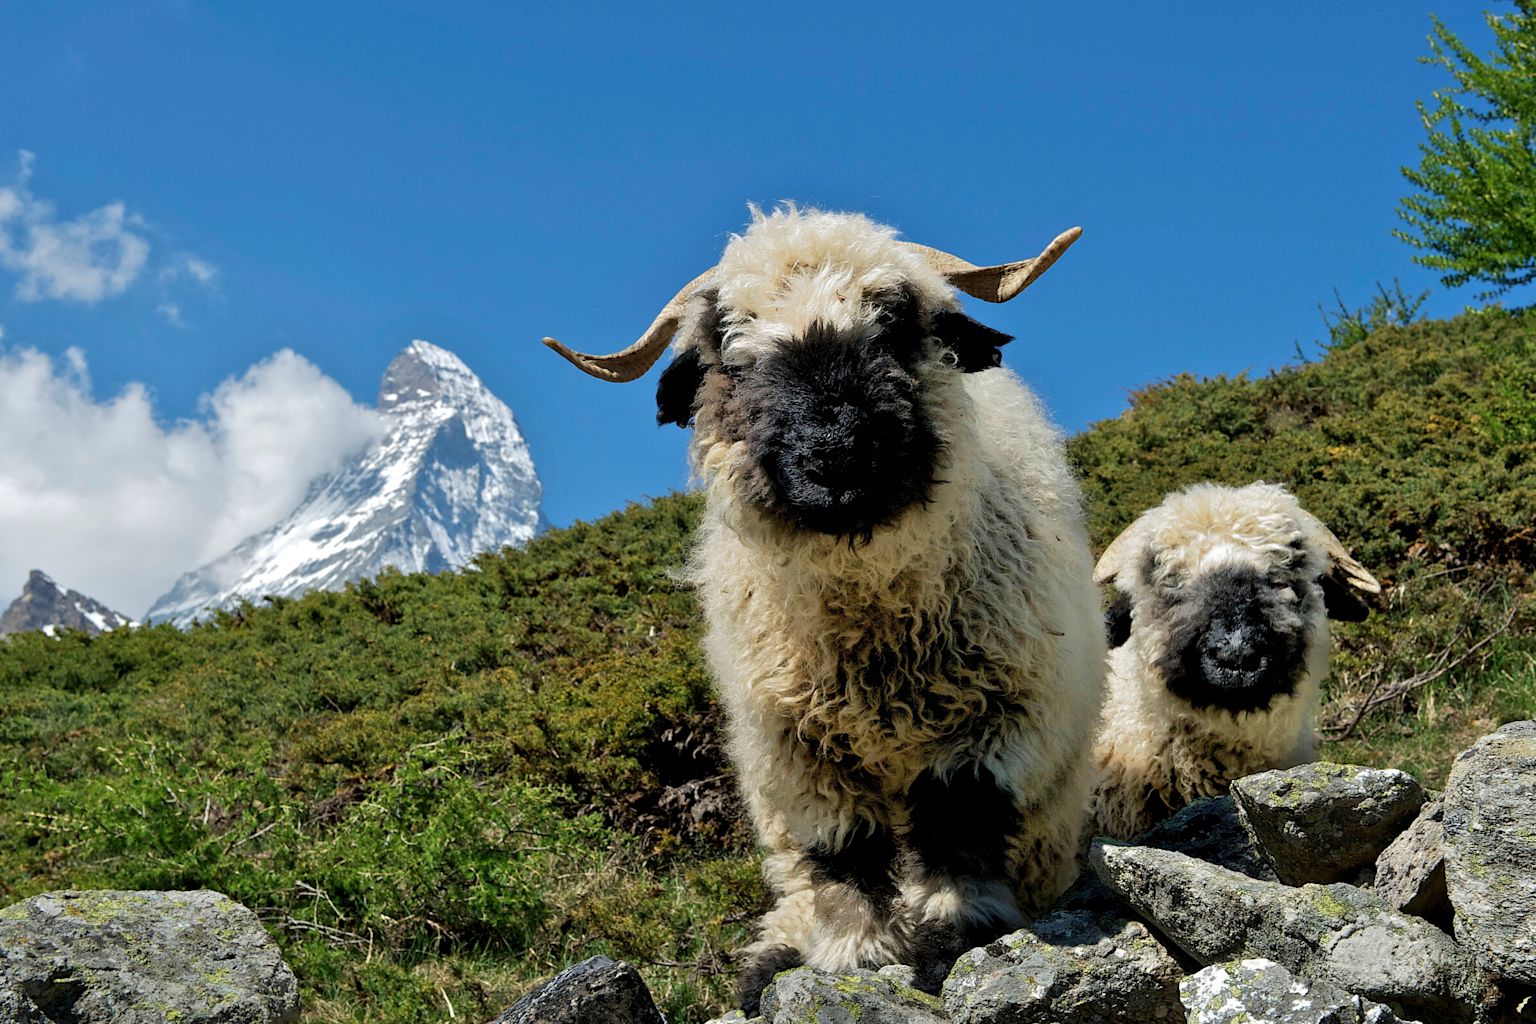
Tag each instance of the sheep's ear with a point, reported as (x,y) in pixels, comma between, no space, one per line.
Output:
(678,388)
(1345,575)
(1117,621)
(1110,561)
(975,345)
(698,332)
(1341,602)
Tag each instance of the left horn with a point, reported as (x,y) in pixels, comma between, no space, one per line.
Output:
(632,362)
(999,283)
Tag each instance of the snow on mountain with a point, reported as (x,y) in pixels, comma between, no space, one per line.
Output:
(44,606)
(452,478)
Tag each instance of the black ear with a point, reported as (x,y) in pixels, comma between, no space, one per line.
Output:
(976,345)
(1341,601)
(678,387)
(1117,621)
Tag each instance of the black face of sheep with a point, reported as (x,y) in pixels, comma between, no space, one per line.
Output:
(838,428)
(1235,640)
(1227,588)
(835,419)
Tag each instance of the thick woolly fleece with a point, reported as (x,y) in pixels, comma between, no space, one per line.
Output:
(911,709)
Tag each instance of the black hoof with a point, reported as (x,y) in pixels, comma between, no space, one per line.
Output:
(936,946)
(759,971)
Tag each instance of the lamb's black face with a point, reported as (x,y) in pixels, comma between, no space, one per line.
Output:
(1236,639)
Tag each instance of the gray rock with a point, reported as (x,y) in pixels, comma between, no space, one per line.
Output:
(1207,829)
(808,996)
(596,991)
(735,1017)
(1248,991)
(84,957)
(1410,873)
(1211,830)
(1490,850)
(1335,932)
(1068,968)
(1325,822)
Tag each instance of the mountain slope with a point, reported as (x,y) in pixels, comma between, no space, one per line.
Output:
(452,478)
(43,606)
(439,788)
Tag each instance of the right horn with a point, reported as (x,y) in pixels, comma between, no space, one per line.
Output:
(999,283)
(632,362)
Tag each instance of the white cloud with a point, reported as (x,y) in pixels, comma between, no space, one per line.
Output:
(186,267)
(107,500)
(92,257)
(202,271)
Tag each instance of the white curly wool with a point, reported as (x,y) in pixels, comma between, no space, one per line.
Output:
(980,604)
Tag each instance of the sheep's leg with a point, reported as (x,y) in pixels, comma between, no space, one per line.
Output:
(831,862)
(960,894)
(854,887)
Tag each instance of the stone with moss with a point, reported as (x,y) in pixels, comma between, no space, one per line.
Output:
(1326,822)
(1410,874)
(99,956)
(1490,850)
(1251,991)
(808,996)
(1336,933)
(1074,967)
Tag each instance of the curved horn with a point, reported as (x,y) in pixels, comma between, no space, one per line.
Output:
(999,283)
(1109,564)
(632,362)
(1345,567)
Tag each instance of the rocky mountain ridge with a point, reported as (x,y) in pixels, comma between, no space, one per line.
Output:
(453,477)
(45,606)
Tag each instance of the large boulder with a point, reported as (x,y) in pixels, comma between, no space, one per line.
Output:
(107,957)
(1336,933)
(1325,822)
(596,991)
(1490,850)
(1410,873)
(1068,968)
(808,996)
(1252,991)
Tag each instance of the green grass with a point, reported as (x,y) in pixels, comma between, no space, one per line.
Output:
(436,791)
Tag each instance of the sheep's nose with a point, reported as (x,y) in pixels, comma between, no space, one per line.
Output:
(1234,648)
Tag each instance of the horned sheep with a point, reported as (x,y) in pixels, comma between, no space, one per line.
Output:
(896,583)
(1219,644)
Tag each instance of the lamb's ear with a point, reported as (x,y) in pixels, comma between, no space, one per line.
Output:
(699,332)
(1110,566)
(975,345)
(1345,575)
(1117,621)
(1340,600)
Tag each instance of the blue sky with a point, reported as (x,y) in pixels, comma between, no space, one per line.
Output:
(336,179)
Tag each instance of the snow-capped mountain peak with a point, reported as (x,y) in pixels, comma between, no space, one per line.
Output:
(452,478)
(44,605)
